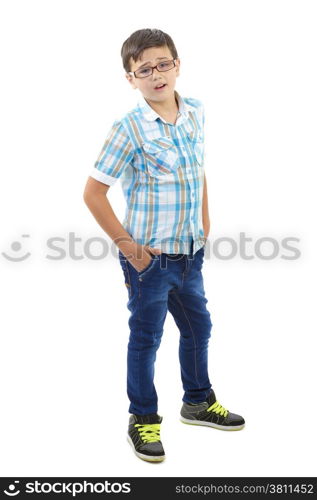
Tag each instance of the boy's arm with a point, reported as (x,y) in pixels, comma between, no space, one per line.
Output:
(205,210)
(96,200)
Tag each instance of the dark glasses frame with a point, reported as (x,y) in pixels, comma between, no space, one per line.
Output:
(152,68)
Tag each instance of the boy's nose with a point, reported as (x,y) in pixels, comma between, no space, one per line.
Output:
(155,69)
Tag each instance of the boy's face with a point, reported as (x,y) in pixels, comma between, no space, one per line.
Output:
(151,57)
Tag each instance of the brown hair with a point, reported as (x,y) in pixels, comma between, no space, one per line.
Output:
(144,39)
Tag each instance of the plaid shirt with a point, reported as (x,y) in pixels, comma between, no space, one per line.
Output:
(161,167)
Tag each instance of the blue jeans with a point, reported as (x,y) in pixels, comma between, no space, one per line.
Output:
(174,283)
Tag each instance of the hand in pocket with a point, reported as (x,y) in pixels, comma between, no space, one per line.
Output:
(143,257)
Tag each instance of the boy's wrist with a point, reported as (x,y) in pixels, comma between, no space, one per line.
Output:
(133,251)
(206,227)
(128,247)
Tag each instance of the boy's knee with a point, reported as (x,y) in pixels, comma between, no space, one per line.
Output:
(145,339)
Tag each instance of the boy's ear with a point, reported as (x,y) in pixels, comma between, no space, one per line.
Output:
(130,80)
(178,62)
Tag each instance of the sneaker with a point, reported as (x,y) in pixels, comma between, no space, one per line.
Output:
(211,414)
(144,437)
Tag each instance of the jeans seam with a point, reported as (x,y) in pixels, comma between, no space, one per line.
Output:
(193,335)
(185,272)
(129,280)
(139,387)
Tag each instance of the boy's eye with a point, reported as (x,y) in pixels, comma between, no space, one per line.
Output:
(144,71)
(164,64)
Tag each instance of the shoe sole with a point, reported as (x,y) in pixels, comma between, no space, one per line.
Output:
(147,458)
(210,424)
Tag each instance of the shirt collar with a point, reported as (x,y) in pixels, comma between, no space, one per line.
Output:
(151,115)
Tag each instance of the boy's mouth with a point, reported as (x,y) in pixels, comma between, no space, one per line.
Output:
(160,87)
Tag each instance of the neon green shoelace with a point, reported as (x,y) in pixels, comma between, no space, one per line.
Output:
(149,432)
(217,408)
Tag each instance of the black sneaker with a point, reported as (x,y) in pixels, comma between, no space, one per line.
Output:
(211,414)
(144,437)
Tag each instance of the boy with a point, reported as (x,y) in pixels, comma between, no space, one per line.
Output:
(157,151)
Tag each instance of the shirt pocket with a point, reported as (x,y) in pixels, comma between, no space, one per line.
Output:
(161,156)
(197,141)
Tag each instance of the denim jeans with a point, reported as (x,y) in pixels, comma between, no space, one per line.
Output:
(174,283)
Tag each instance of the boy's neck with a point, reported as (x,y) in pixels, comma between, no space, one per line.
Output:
(166,109)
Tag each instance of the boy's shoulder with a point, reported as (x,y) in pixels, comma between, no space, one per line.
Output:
(196,106)
(191,103)
(131,126)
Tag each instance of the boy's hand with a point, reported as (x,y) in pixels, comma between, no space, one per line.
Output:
(141,258)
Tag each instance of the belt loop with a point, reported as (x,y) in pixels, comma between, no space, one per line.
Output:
(163,260)
(191,249)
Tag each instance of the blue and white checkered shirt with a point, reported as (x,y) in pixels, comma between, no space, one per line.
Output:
(161,167)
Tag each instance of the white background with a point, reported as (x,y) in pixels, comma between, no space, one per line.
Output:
(64,327)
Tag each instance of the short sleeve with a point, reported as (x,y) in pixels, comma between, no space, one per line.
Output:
(116,154)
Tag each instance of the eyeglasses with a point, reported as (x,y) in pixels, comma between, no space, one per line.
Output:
(162,66)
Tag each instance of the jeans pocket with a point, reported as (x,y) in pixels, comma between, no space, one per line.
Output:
(199,258)
(126,272)
(148,268)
